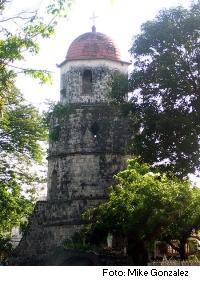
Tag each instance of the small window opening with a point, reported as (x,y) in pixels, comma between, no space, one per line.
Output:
(54,180)
(95,129)
(87,82)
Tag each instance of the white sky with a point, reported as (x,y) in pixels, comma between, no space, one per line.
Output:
(119,19)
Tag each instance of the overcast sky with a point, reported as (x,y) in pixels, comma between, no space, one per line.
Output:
(119,19)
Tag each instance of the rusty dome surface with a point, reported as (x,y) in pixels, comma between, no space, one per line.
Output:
(93,45)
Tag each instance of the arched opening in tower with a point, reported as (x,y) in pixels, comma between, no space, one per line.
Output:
(54,182)
(87,82)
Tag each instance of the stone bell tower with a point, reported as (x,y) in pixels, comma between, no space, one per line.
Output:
(91,139)
(87,144)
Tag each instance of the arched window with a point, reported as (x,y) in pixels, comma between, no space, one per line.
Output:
(94,129)
(87,82)
(54,180)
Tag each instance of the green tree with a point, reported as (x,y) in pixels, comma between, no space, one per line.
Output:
(143,207)
(20,35)
(5,248)
(166,90)
(21,127)
(21,131)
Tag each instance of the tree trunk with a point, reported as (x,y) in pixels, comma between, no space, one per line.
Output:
(138,251)
(182,251)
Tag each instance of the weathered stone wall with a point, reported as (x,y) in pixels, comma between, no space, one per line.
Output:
(83,176)
(112,64)
(88,144)
(91,147)
(72,85)
(86,129)
(51,224)
(68,257)
(72,82)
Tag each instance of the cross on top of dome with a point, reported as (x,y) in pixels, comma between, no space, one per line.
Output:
(93,18)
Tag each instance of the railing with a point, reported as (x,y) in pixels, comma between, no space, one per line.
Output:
(174,263)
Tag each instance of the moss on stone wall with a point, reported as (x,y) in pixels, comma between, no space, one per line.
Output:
(119,88)
(60,110)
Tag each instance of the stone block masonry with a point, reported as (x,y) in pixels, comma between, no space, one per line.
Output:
(91,146)
(89,142)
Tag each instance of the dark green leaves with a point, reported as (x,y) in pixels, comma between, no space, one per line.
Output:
(21,131)
(165,85)
(20,35)
(147,206)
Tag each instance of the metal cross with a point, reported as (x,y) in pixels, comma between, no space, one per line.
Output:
(93,18)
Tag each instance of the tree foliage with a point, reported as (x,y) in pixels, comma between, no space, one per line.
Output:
(21,131)
(20,35)
(143,207)
(21,127)
(166,89)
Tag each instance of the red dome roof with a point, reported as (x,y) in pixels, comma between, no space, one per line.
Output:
(92,45)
